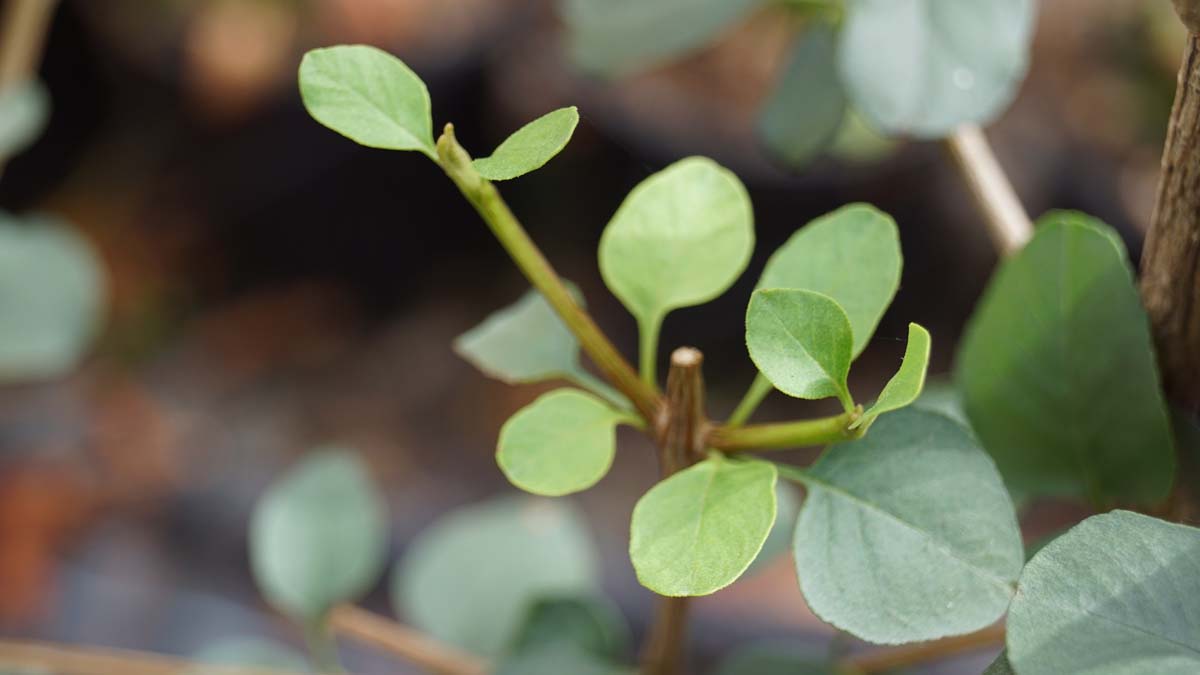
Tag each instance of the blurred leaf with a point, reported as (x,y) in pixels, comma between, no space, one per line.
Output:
(612,37)
(680,238)
(1000,666)
(52,297)
(472,577)
(857,143)
(774,659)
(24,110)
(1117,595)
(590,623)
(941,396)
(697,531)
(558,659)
(561,443)
(779,541)
(531,146)
(804,112)
(250,653)
(368,96)
(905,386)
(851,255)
(907,534)
(319,535)
(925,67)
(801,342)
(1058,375)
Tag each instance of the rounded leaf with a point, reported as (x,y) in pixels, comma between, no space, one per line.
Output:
(318,536)
(531,146)
(804,113)
(801,342)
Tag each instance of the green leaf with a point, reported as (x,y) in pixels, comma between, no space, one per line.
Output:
(1117,595)
(1058,374)
(590,623)
(561,443)
(857,143)
(612,37)
(681,238)
(368,96)
(472,577)
(697,531)
(801,342)
(531,146)
(24,110)
(941,396)
(905,386)
(249,653)
(53,298)
(771,658)
(318,536)
(925,67)
(804,113)
(851,255)
(557,659)
(907,534)
(1000,666)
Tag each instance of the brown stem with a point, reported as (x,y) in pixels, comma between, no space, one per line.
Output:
(906,656)
(1008,224)
(415,647)
(680,444)
(75,660)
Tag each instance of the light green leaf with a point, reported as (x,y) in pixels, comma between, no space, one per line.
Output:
(24,110)
(924,67)
(1058,374)
(368,96)
(52,300)
(249,653)
(851,255)
(907,534)
(905,386)
(1117,595)
(800,341)
(697,531)
(531,146)
(612,37)
(472,577)
(772,658)
(779,541)
(318,536)
(561,443)
(1000,666)
(803,114)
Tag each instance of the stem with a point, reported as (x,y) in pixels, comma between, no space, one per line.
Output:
(1008,224)
(74,660)
(417,648)
(759,389)
(648,351)
(786,435)
(323,647)
(487,201)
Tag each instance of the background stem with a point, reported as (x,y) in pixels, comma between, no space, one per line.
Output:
(412,646)
(1008,223)
(759,389)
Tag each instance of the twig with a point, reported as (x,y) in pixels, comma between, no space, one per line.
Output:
(413,646)
(73,660)
(905,656)
(1008,223)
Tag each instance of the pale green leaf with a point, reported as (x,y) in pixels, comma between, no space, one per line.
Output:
(561,443)
(472,577)
(775,658)
(24,110)
(319,535)
(1058,374)
(613,37)
(803,114)
(801,342)
(680,238)
(531,146)
(369,96)
(52,300)
(248,653)
(697,531)
(905,386)
(925,67)
(907,534)
(1119,594)
(851,255)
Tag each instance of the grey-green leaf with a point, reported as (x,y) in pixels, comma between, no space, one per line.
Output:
(1058,374)
(591,623)
(804,113)
(612,37)
(908,533)
(1000,666)
(319,535)
(53,298)
(801,342)
(697,531)
(924,67)
(851,255)
(248,653)
(1119,594)
(905,386)
(531,146)
(369,96)
(561,443)
(24,109)
(771,658)
(472,577)
(680,238)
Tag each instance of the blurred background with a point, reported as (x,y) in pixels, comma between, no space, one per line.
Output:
(273,286)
